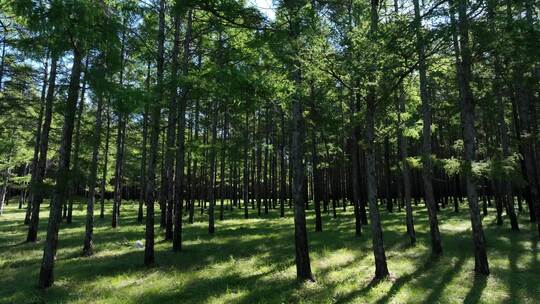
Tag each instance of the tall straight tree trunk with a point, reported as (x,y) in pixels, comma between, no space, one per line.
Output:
(77,174)
(212,184)
(303,265)
(402,142)
(381,268)
(118,168)
(355,170)
(527,144)
(167,183)
(180,154)
(282,168)
(2,61)
(35,158)
(195,163)
(502,127)
(155,114)
(120,139)
(315,165)
(481,261)
(246,166)
(89,229)
(387,177)
(257,159)
(265,168)
(142,194)
(46,277)
(427,169)
(222,191)
(38,186)
(105,164)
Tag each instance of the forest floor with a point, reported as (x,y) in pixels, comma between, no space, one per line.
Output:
(252,261)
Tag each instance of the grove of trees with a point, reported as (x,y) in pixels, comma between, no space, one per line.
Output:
(207,106)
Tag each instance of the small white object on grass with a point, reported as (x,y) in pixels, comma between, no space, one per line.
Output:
(139,245)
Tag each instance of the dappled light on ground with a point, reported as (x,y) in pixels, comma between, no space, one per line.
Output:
(252,261)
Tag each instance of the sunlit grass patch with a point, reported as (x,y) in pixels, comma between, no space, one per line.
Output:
(252,261)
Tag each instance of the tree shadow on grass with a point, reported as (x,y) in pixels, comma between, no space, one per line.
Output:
(443,280)
(401,281)
(479,284)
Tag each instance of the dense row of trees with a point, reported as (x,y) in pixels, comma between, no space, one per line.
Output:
(207,106)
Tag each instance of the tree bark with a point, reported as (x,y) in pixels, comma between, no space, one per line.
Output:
(38,186)
(105,164)
(167,183)
(77,174)
(212,184)
(89,229)
(467,109)
(405,174)
(180,154)
(154,123)
(35,158)
(381,268)
(427,169)
(46,277)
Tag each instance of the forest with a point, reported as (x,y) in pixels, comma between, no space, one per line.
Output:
(269,151)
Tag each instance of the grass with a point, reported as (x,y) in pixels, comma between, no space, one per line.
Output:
(252,261)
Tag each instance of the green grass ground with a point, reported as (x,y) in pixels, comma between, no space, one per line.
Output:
(252,261)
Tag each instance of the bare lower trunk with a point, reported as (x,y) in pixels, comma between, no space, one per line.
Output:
(89,230)
(402,142)
(481,262)
(212,184)
(381,268)
(154,123)
(427,170)
(180,154)
(105,164)
(35,158)
(38,186)
(46,278)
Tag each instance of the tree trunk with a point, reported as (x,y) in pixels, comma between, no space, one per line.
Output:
(246,166)
(38,191)
(402,142)
(212,184)
(355,170)
(142,195)
(303,266)
(427,169)
(118,169)
(77,174)
(467,109)
(35,158)
(381,268)
(154,139)
(180,154)
(2,61)
(105,164)
(502,127)
(282,168)
(315,165)
(46,278)
(89,235)
(167,183)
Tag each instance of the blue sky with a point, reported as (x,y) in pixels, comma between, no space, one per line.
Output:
(264,6)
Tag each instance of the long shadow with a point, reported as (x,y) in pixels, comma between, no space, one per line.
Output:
(479,284)
(401,281)
(438,290)
(269,239)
